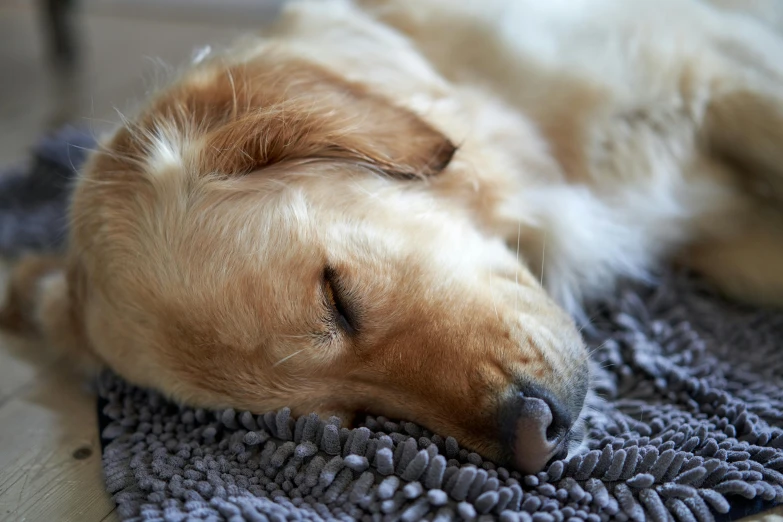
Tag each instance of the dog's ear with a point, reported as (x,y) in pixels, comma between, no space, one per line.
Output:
(276,109)
(744,128)
(40,302)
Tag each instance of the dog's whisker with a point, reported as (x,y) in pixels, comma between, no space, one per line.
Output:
(284,359)
(590,352)
(91,119)
(100,182)
(233,91)
(492,293)
(587,323)
(123,119)
(365,191)
(543,258)
(516,273)
(584,357)
(86,149)
(302,336)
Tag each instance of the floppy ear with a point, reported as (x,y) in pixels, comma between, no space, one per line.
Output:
(39,303)
(275,109)
(744,128)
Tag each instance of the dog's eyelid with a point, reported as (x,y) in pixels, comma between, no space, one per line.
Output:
(335,295)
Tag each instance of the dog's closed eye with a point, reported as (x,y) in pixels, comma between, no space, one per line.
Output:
(337,300)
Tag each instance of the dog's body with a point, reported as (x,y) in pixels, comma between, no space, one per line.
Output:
(355,212)
(650,112)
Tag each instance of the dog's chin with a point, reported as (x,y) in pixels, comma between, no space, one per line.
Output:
(576,441)
(579,436)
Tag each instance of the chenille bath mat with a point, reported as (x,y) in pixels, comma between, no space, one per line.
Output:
(690,429)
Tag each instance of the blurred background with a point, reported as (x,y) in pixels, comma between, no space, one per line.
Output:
(79,61)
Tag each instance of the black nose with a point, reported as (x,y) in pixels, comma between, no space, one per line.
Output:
(534,426)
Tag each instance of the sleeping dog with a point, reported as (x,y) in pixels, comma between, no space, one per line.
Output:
(399,206)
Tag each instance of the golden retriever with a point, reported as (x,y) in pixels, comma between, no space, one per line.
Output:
(397,206)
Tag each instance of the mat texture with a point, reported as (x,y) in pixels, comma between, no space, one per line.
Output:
(691,428)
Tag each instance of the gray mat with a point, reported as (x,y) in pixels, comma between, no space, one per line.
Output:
(691,427)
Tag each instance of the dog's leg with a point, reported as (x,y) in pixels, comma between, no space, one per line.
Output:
(746,265)
(38,304)
(743,129)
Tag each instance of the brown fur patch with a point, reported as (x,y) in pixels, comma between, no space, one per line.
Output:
(22,292)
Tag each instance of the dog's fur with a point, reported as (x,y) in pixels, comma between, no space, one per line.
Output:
(355,212)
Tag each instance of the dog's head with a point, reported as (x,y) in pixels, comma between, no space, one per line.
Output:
(270,234)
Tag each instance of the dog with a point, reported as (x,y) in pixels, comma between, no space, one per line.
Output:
(401,206)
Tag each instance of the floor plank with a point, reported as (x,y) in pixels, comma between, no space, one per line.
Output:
(17,373)
(773,515)
(50,464)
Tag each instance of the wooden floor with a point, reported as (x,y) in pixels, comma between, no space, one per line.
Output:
(49,449)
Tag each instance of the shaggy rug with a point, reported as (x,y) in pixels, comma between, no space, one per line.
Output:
(690,427)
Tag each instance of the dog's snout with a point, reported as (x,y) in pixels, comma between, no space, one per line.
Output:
(534,426)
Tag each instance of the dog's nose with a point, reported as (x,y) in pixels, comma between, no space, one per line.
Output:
(534,426)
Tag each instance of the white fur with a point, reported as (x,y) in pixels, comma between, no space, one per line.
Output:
(164,153)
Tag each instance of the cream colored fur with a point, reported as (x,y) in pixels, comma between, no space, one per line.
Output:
(621,92)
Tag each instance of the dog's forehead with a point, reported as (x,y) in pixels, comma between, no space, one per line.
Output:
(367,220)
